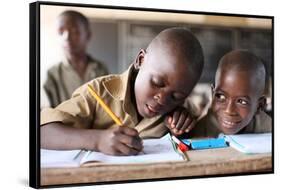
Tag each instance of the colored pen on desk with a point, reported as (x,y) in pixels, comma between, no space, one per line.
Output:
(180,144)
(184,154)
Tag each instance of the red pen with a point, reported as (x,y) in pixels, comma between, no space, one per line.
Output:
(180,144)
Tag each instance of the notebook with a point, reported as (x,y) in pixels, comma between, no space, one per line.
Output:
(155,150)
(250,143)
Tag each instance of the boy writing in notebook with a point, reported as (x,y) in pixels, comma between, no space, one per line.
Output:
(238,98)
(153,88)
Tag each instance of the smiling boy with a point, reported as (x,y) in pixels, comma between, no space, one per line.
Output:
(238,98)
(153,88)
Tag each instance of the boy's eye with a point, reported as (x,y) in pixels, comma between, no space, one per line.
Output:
(243,102)
(220,97)
(74,31)
(178,97)
(157,84)
(60,31)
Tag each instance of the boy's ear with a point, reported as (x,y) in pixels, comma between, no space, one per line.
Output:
(212,92)
(139,59)
(89,35)
(212,88)
(261,104)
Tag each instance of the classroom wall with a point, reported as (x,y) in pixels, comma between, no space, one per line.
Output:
(104,42)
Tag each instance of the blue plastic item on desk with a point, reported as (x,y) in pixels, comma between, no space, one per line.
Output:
(205,143)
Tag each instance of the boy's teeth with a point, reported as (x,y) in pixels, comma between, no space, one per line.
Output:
(229,122)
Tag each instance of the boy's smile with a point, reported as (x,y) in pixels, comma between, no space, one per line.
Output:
(235,100)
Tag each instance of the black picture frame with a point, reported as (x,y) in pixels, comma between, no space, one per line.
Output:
(34,82)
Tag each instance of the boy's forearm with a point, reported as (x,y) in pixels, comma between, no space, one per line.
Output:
(57,136)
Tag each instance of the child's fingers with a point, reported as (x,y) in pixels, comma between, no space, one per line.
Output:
(170,119)
(176,116)
(177,132)
(123,149)
(128,131)
(191,126)
(168,122)
(133,142)
(181,120)
(188,120)
(180,123)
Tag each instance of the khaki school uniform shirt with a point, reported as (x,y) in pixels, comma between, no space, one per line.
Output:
(207,126)
(62,79)
(83,111)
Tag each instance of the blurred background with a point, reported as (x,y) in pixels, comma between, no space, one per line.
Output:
(118,35)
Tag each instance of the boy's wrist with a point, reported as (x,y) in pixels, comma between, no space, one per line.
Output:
(91,139)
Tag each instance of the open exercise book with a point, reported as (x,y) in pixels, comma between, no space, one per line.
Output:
(250,143)
(155,150)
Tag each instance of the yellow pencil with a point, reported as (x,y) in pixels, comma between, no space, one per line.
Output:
(104,106)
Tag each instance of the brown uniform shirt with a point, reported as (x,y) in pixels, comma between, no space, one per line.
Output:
(62,79)
(207,126)
(82,110)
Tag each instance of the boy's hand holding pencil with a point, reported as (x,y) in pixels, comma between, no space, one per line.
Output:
(119,140)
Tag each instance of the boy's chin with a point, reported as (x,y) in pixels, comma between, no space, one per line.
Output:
(228,131)
(142,114)
(148,115)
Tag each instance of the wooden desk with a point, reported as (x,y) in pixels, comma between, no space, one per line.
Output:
(202,162)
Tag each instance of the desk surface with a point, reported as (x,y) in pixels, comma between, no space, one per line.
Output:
(201,162)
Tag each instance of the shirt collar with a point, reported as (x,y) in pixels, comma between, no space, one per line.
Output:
(92,70)
(119,87)
(90,61)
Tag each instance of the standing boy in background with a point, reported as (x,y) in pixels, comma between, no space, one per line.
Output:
(153,88)
(238,98)
(77,67)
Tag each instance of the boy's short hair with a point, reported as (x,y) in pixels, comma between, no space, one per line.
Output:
(244,61)
(184,40)
(77,15)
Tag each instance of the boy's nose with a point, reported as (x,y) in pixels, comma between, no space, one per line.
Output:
(65,35)
(162,98)
(230,108)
